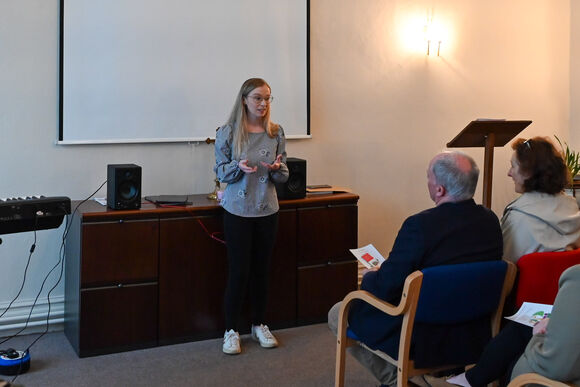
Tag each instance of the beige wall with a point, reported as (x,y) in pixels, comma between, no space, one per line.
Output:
(575,74)
(379,112)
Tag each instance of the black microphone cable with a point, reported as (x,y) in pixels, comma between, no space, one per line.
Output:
(32,248)
(60,263)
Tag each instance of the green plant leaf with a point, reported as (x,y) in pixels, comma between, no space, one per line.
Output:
(571,158)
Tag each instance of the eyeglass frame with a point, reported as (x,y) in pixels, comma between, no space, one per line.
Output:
(258,99)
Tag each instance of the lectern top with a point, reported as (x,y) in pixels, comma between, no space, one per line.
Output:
(475,133)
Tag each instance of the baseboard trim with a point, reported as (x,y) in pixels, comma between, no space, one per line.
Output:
(16,317)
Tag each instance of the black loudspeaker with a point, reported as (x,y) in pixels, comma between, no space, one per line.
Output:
(123,186)
(295,187)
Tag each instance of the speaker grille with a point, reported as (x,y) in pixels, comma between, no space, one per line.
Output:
(128,191)
(295,187)
(295,182)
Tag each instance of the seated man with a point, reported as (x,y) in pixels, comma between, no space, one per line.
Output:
(455,231)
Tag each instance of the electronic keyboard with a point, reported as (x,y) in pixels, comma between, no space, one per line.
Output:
(32,213)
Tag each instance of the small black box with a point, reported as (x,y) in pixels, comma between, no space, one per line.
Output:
(123,186)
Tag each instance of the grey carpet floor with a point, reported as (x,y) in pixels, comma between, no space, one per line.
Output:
(306,357)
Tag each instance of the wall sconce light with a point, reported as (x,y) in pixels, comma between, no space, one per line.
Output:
(421,33)
(432,33)
(429,47)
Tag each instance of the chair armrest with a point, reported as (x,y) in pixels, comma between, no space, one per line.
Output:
(508,283)
(534,378)
(409,299)
(412,286)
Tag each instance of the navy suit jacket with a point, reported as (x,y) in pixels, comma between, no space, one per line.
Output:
(446,234)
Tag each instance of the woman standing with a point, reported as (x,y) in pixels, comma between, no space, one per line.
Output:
(250,157)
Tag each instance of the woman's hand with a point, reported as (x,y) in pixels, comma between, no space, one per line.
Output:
(275,165)
(541,326)
(243,164)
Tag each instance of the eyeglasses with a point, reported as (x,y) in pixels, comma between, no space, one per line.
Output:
(258,99)
(528,143)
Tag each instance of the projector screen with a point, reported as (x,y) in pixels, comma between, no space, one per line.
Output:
(169,70)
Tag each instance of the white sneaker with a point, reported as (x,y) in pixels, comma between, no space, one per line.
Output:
(231,343)
(262,334)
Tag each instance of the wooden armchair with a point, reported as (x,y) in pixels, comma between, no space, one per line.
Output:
(478,288)
(533,378)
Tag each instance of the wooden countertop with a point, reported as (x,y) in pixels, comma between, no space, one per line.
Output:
(91,210)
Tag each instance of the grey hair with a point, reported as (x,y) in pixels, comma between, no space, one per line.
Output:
(460,184)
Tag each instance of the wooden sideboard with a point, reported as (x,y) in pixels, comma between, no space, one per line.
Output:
(155,276)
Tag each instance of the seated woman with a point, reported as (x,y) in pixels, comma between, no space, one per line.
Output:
(543,218)
(554,350)
(551,348)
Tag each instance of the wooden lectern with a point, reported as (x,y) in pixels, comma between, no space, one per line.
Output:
(488,134)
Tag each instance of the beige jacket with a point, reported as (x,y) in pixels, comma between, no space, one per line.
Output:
(556,354)
(540,222)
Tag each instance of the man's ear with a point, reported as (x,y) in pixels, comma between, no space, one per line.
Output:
(440,191)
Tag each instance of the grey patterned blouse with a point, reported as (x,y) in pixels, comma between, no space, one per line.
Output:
(250,194)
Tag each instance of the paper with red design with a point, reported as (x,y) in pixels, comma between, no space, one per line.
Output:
(368,256)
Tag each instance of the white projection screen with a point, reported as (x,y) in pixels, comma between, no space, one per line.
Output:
(169,70)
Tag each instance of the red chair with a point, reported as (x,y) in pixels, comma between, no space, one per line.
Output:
(539,274)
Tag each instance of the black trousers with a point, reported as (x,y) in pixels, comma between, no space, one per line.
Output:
(249,244)
(500,355)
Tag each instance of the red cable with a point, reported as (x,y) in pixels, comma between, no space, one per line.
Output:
(212,235)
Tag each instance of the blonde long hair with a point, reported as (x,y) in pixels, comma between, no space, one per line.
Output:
(238,119)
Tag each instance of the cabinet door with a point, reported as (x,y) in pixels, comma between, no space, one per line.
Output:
(114,319)
(193,275)
(281,307)
(192,278)
(326,234)
(322,286)
(119,252)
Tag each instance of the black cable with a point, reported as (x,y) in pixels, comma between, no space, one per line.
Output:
(32,247)
(60,263)
(37,296)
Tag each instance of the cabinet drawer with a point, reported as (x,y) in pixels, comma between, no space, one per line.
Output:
(118,318)
(326,233)
(119,252)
